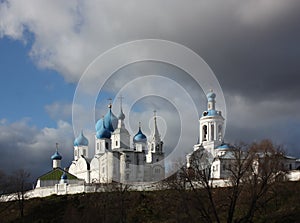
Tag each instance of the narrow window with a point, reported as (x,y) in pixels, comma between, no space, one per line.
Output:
(204,132)
(212,132)
(220,132)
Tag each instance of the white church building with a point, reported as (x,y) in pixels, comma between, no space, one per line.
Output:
(114,159)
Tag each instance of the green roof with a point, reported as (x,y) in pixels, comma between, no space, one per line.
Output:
(56,174)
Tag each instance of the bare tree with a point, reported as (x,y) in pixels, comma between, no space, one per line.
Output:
(239,169)
(265,171)
(252,175)
(198,176)
(19,185)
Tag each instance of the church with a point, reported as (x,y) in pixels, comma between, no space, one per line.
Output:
(220,155)
(114,159)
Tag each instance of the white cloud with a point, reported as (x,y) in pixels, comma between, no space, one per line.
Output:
(59,111)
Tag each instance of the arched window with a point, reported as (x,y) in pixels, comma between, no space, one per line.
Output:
(204,133)
(220,132)
(212,127)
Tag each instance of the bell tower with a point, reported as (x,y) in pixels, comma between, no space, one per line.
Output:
(120,137)
(155,148)
(211,125)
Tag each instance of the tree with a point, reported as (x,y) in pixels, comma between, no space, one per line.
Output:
(19,185)
(260,182)
(253,172)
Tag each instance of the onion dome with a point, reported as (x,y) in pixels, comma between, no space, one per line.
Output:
(64,176)
(110,120)
(211,96)
(103,133)
(140,137)
(81,140)
(56,156)
(99,124)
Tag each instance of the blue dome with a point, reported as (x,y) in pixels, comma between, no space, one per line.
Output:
(99,124)
(110,121)
(64,176)
(81,140)
(56,156)
(211,113)
(140,137)
(103,133)
(223,146)
(211,96)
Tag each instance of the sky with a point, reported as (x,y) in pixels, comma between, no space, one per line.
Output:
(253,48)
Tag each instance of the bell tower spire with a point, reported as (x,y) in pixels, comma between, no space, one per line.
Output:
(211,102)
(155,148)
(156,135)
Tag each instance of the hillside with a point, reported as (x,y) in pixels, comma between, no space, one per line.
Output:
(159,206)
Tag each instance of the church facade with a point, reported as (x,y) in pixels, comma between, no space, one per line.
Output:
(114,158)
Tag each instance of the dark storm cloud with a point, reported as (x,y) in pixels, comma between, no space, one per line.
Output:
(253,47)
(258,61)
